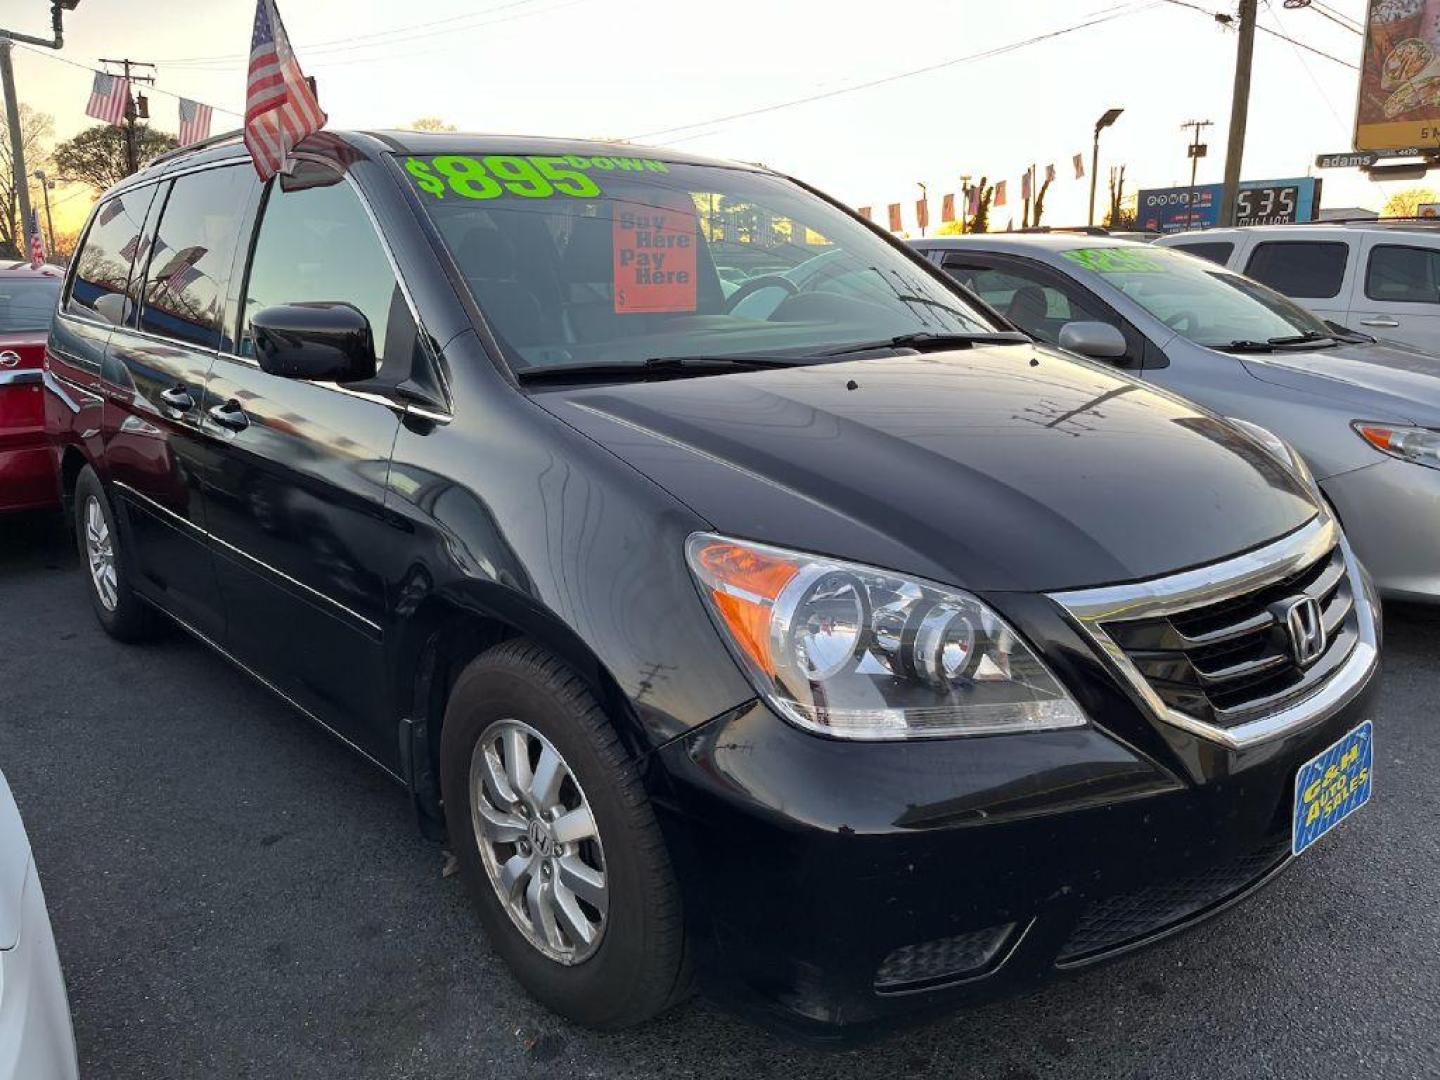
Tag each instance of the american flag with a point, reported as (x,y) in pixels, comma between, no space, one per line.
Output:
(181,270)
(109,98)
(37,243)
(280,107)
(194,121)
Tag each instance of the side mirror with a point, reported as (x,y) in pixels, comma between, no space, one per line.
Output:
(1095,339)
(320,342)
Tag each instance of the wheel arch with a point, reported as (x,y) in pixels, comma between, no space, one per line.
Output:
(439,637)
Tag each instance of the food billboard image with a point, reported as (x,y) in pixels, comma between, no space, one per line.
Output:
(1399,102)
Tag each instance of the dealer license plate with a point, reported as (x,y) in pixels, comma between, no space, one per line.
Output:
(1333,785)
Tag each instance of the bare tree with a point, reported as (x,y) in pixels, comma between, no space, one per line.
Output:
(429,123)
(36,129)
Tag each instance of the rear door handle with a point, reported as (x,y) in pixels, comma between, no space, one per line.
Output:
(178,398)
(1379,320)
(230,415)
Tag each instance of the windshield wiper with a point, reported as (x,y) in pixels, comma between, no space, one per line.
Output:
(660,365)
(1243,345)
(1309,337)
(926,341)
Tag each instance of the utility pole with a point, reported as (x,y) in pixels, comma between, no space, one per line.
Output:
(1197,150)
(12,108)
(1239,111)
(132,160)
(45,185)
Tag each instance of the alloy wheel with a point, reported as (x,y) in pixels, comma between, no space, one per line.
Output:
(100,553)
(539,841)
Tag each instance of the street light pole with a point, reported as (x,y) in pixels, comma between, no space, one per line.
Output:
(924,198)
(1111,115)
(12,108)
(1239,111)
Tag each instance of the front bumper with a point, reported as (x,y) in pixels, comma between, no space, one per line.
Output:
(35,1034)
(836,885)
(1391,513)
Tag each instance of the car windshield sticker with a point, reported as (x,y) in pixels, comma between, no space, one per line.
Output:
(654,256)
(533,177)
(1115,260)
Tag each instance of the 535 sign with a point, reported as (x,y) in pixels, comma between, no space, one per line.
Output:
(1267,205)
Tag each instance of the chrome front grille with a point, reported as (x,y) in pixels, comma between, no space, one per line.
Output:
(1214,651)
(1224,663)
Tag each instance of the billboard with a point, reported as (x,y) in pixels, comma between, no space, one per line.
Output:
(1260,202)
(1399,103)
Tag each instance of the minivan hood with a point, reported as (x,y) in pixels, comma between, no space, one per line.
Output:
(1381,380)
(992,468)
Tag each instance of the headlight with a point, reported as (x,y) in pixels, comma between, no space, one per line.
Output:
(1281,451)
(1420,445)
(860,653)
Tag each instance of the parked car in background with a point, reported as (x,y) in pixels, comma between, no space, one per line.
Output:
(27,467)
(849,649)
(36,1040)
(1365,415)
(1379,277)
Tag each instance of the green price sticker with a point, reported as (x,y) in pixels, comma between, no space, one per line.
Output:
(532,177)
(1115,261)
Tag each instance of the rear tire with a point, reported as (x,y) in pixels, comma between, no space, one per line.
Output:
(516,714)
(121,612)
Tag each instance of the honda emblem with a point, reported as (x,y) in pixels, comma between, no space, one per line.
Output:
(1305,623)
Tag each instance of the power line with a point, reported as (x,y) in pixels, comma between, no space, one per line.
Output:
(97,71)
(377,38)
(984,55)
(1225,20)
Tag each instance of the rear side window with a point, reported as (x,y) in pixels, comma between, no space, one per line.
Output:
(316,244)
(190,258)
(1309,268)
(27,303)
(1406,275)
(1217,251)
(102,268)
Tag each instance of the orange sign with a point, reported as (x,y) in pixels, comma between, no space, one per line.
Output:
(654,257)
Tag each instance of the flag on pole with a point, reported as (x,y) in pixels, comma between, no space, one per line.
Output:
(1049,174)
(1025,192)
(974,200)
(922,213)
(864,212)
(894,209)
(280,107)
(947,207)
(1000,193)
(37,243)
(194,121)
(109,98)
(1079,166)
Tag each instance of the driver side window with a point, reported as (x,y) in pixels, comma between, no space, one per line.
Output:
(1036,305)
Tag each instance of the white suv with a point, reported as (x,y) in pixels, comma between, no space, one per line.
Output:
(1381,277)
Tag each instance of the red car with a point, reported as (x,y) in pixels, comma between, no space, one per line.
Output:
(27,467)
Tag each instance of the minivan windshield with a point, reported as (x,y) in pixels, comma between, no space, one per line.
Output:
(579,260)
(1208,305)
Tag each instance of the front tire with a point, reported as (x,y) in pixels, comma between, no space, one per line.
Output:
(557,843)
(121,612)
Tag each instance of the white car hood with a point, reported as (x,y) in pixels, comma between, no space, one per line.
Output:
(14,866)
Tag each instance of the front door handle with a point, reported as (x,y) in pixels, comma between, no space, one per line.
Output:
(230,415)
(178,398)
(1379,320)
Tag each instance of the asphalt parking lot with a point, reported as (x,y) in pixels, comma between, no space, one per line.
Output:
(235,894)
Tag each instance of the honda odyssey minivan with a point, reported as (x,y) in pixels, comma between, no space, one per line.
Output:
(831,646)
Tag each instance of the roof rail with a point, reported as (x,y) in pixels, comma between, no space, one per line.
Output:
(180,151)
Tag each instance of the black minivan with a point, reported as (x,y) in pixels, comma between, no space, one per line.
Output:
(740,599)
